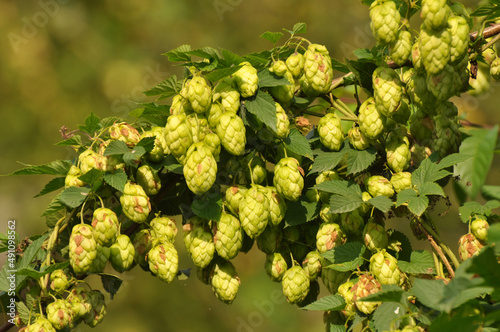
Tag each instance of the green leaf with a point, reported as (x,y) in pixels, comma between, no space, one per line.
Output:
(29,255)
(32,273)
(346,257)
(453,159)
(340,187)
(179,54)
(481,146)
(221,73)
(486,266)
(298,144)
(418,205)
(363,72)
(111,283)
(24,312)
(344,203)
(484,10)
(133,157)
(53,185)
(301,212)
(459,322)
(263,106)
(268,79)
(405,195)
(117,179)
(116,147)
(154,113)
(58,167)
(231,58)
(74,196)
(148,143)
(208,206)
(404,244)
(54,206)
(299,28)
(91,176)
(75,140)
(421,262)
(327,303)
(475,208)
(429,292)
(381,203)
(358,161)
(491,192)
(388,315)
(169,87)
(326,161)
(389,293)
(92,124)
(273,37)
(428,171)
(431,188)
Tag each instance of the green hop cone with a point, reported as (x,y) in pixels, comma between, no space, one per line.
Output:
(163,228)
(279,68)
(446,136)
(98,311)
(79,301)
(365,286)
(246,80)
(401,181)
(384,268)
(277,206)
(295,284)
(60,314)
(58,281)
(135,203)
(199,126)
(352,222)
(459,30)
(231,131)
(227,95)
(212,142)
(371,121)
(200,169)
(398,157)
(178,136)
(312,264)
(199,94)
(435,50)
(330,132)
(101,259)
(332,279)
(180,105)
(88,160)
(124,132)
(40,325)
(435,13)
(72,178)
(284,93)
(288,178)
(421,126)
(479,228)
(375,236)
(106,225)
(160,148)
(387,90)
(468,246)
(329,236)
(444,85)
(282,122)
(82,248)
(318,72)
(269,240)
(256,171)
(214,114)
(164,261)
(495,69)
(122,254)
(401,48)
(379,186)
(108,163)
(225,281)
(202,247)
(275,266)
(326,176)
(228,236)
(345,290)
(385,20)
(416,87)
(148,179)
(143,242)
(234,195)
(325,215)
(295,64)
(416,57)
(254,211)
(357,139)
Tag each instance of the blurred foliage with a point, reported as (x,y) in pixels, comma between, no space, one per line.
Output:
(62,59)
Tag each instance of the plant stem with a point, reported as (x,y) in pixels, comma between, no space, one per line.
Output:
(442,245)
(443,259)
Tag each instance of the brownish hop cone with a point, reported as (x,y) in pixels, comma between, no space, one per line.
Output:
(82,248)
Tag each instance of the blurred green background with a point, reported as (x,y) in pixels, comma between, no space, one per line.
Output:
(61,60)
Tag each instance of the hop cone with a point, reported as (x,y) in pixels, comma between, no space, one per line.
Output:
(214,114)
(345,290)
(495,69)
(401,181)
(330,131)
(385,19)
(459,31)
(379,186)
(446,136)
(435,50)
(398,158)
(98,311)
(124,132)
(40,325)
(318,72)
(82,248)
(357,139)
(257,172)
(59,314)
(468,246)
(387,90)
(401,48)
(479,228)
(332,279)
(282,122)
(254,211)
(416,57)
(375,236)
(288,179)
(228,236)
(295,284)
(79,301)
(312,264)
(421,126)
(160,144)
(246,80)
(199,94)
(178,136)
(225,281)
(180,105)
(212,142)
(444,85)
(199,126)
(88,160)
(59,281)
(227,95)
(269,240)
(71,179)
(365,286)
(303,125)
(202,247)
(275,266)
(148,179)
(284,93)
(142,244)
(122,254)
(352,222)
(325,215)
(326,176)
(200,169)
(101,259)
(371,121)
(435,13)
(163,261)
(135,203)
(231,131)
(234,195)
(277,206)
(384,268)
(163,228)
(295,64)
(416,86)
(329,236)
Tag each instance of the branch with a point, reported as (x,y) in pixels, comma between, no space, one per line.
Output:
(488,32)
(7,326)
(441,255)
